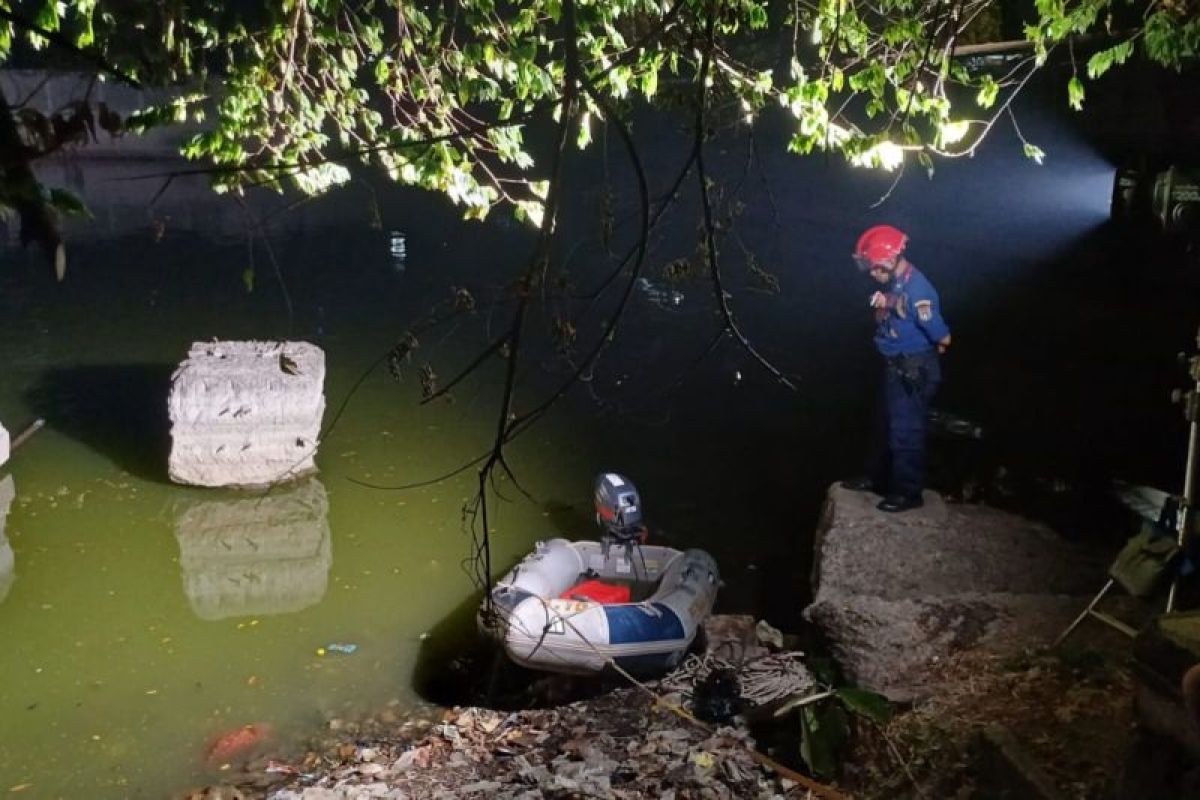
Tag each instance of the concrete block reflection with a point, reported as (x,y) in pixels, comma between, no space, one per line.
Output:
(255,555)
(7,560)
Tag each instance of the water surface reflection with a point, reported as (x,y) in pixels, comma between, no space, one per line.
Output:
(255,555)
(7,560)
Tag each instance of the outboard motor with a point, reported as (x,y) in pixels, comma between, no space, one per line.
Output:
(618,511)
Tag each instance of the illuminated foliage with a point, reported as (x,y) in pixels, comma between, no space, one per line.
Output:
(441,94)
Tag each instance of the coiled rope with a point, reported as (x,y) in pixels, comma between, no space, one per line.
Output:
(761,680)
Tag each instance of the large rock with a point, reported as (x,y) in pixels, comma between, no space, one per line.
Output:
(246,413)
(895,593)
(244,556)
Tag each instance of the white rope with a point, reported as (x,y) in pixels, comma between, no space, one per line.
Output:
(761,680)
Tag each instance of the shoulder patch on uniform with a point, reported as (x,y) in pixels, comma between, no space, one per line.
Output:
(924,310)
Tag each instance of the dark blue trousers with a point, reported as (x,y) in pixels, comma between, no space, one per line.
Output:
(897,460)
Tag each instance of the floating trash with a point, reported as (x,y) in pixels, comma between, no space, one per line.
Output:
(338,647)
(237,741)
(659,295)
(951,425)
(398,249)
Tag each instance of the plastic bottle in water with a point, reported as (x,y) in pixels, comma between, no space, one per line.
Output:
(397,248)
(659,296)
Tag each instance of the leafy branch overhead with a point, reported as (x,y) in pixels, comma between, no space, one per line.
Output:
(441,95)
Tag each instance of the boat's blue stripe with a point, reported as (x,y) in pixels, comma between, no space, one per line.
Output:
(630,623)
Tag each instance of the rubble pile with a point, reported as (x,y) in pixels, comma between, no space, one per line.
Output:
(619,746)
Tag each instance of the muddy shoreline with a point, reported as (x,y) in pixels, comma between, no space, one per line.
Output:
(1070,714)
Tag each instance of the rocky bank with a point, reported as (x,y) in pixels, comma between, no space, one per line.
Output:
(895,594)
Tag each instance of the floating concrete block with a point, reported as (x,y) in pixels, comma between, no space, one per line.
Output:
(4,445)
(246,413)
(262,555)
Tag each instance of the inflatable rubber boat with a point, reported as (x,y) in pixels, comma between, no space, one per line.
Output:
(573,607)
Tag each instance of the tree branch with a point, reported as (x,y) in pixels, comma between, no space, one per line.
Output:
(66,44)
(710,238)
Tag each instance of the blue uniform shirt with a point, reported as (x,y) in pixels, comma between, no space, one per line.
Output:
(912,321)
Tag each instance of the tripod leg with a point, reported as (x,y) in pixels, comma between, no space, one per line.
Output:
(1083,614)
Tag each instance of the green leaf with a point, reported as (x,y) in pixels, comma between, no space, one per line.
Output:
(758,16)
(248,279)
(824,729)
(1075,93)
(68,203)
(1035,153)
(584,137)
(1104,60)
(650,81)
(988,91)
(874,707)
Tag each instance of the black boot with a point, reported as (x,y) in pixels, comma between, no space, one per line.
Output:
(862,484)
(900,502)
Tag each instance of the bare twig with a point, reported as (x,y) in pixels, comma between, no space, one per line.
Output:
(902,762)
(706,203)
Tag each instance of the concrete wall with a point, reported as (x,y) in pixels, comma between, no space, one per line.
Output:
(131,184)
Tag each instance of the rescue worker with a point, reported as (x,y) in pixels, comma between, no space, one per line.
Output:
(910,334)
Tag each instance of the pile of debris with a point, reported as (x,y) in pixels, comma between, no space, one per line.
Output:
(619,745)
(636,741)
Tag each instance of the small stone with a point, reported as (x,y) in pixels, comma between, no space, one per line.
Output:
(480,786)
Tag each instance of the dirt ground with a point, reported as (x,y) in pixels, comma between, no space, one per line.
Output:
(1068,714)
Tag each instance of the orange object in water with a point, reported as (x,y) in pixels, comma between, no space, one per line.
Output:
(597,592)
(236,741)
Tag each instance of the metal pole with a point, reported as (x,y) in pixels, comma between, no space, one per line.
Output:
(24,435)
(1191,412)
(1083,614)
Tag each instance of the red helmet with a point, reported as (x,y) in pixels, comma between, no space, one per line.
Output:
(879,245)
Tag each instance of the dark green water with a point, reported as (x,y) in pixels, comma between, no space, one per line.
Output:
(141,619)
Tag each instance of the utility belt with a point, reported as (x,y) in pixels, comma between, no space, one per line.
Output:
(916,371)
(919,357)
